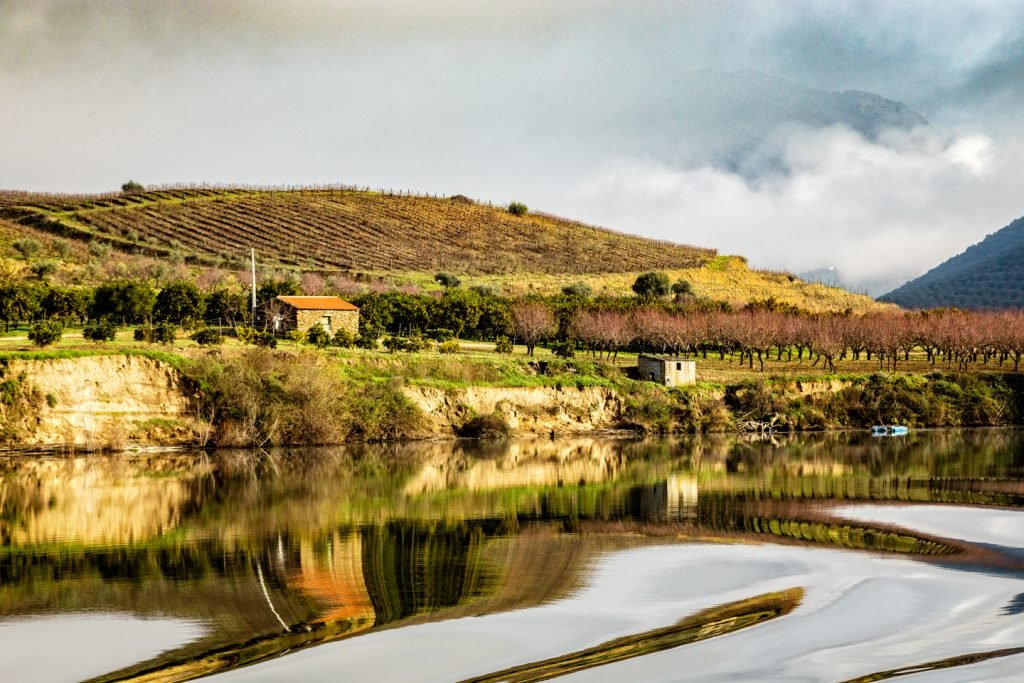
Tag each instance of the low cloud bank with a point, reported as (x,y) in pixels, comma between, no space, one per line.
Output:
(895,206)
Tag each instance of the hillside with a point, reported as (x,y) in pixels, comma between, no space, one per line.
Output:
(361,240)
(344,229)
(988,275)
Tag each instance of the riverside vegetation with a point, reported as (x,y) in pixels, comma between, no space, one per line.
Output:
(938,368)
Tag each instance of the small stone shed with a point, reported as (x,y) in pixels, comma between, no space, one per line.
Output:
(671,371)
(285,313)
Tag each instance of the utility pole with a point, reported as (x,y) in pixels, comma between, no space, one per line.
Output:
(252,255)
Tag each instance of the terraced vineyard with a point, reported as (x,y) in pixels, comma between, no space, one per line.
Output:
(345,229)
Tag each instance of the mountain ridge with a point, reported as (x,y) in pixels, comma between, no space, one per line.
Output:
(986,275)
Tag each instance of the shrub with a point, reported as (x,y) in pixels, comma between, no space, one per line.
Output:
(27,247)
(564,349)
(143,334)
(450,346)
(163,333)
(99,250)
(208,336)
(408,344)
(45,333)
(651,285)
(518,209)
(62,248)
(258,397)
(440,334)
(493,426)
(318,336)
(447,280)
(246,335)
(579,289)
(682,287)
(43,269)
(344,339)
(132,186)
(503,345)
(265,340)
(295,336)
(366,341)
(100,331)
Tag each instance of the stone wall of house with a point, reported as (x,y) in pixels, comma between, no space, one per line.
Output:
(651,369)
(671,372)
(340,320)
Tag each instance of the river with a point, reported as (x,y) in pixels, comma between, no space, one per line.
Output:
(832,557)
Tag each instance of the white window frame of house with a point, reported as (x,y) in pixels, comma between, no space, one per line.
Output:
(325,321)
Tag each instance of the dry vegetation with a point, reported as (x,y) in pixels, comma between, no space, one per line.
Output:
(722,278)
(346,229)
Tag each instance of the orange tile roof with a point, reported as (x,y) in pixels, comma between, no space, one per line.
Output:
(319,303)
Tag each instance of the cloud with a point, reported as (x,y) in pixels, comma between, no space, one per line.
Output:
(871,209)
(608,111)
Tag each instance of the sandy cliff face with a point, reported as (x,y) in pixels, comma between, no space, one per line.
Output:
(98,402)
(528,410)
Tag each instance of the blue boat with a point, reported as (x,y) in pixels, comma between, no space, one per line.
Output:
(889,430)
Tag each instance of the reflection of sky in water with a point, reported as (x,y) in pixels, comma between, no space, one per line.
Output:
(81,646)
(997,527)
(862,613)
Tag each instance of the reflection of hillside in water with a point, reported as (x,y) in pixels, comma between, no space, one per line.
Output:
(292,549)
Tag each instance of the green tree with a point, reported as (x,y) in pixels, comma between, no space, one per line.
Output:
(125,300)
(132,186)
(495,319)
(66,303)
(272,287)
(45,332)
(18,301)
(518,209)
(458,310)
(230,305)
(651,285)
(182,302)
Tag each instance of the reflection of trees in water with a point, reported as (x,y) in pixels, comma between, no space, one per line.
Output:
(411,567)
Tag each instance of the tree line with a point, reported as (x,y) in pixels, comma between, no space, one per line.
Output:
(570,322)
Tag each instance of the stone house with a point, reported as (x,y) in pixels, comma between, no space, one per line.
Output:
(286,313)
(671,371)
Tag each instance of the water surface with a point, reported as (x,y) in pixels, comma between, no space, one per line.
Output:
(824,558)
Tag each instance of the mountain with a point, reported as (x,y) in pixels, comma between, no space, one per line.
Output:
(741,120)
(988,275)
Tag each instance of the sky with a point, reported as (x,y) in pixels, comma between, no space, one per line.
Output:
(646,117)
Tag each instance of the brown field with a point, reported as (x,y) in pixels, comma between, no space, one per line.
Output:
(345,229)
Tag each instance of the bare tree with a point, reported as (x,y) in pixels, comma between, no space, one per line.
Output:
(532,322)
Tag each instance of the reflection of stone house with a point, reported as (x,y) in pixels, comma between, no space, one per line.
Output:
(285,313)
(332,574)
(671,371)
